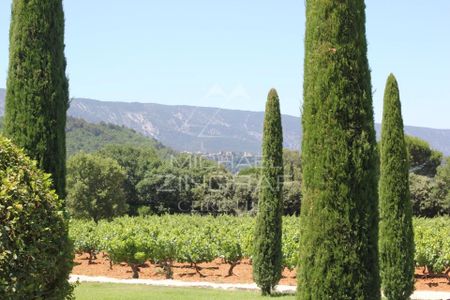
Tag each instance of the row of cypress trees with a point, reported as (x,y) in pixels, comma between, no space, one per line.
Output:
(339,235)
(339,218)
(342,249)
(396,245)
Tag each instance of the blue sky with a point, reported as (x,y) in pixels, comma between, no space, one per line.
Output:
(230,53)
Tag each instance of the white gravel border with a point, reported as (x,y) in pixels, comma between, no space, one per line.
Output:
(418,295)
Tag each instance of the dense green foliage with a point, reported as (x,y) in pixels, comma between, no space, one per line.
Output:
(432,243)
(339,214)
(423,202)
(86,240)
(35,252)
(90,137)
(37,95)
(168,238)
(177,183)
(218,191)
(267,240)
(396,241)
(95,187)
(422,158)
(171,187)
(250,179)
(424,163)
(194,239)
(441,191)
(153,182)
(221,192)
(136,162)
(430,196)
(82,136)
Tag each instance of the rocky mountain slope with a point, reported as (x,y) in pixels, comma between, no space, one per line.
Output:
(207,129)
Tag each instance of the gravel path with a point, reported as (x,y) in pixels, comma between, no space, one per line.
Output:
(418,295)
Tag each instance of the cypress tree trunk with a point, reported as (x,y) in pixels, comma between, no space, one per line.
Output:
(338,256)
(267,257)
(396,231)
(37,87)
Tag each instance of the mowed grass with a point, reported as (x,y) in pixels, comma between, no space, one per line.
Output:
(112,291)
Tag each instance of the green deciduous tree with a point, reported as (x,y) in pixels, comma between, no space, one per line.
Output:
(95,187)
(89,137)
(170,187)
(422,159)
(396,242)
(35,251)
(136,162)
(37,87)
(441,190)
(424,203)
(249,178)
(338,256)
(267,259)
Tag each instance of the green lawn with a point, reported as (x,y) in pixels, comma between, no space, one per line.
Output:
(110,291)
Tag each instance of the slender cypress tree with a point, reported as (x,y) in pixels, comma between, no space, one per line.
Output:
(267,257)
(338,256)
(37,87)
(396,232)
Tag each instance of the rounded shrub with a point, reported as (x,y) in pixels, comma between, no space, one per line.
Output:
(35,251)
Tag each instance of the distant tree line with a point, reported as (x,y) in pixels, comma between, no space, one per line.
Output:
(156,182)
(181,183)
(429,179)
(159,180)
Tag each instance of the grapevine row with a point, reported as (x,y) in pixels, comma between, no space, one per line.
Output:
(162,240)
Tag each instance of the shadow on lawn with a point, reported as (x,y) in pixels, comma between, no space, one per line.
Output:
(281,294)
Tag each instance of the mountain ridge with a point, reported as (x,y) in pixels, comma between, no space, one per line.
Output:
(208,129)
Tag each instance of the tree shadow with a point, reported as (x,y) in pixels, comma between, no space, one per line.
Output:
(281,294)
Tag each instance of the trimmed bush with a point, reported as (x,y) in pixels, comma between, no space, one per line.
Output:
(35,252)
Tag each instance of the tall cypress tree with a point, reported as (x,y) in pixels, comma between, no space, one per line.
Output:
(267,256)
(338,256)
(396,231)
(37,86)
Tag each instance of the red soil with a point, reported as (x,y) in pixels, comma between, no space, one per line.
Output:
(215,271)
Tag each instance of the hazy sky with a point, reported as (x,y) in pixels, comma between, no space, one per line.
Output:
(230,53)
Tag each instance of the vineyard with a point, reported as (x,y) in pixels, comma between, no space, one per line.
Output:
(163,240)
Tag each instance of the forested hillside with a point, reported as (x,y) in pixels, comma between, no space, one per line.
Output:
(89,137)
